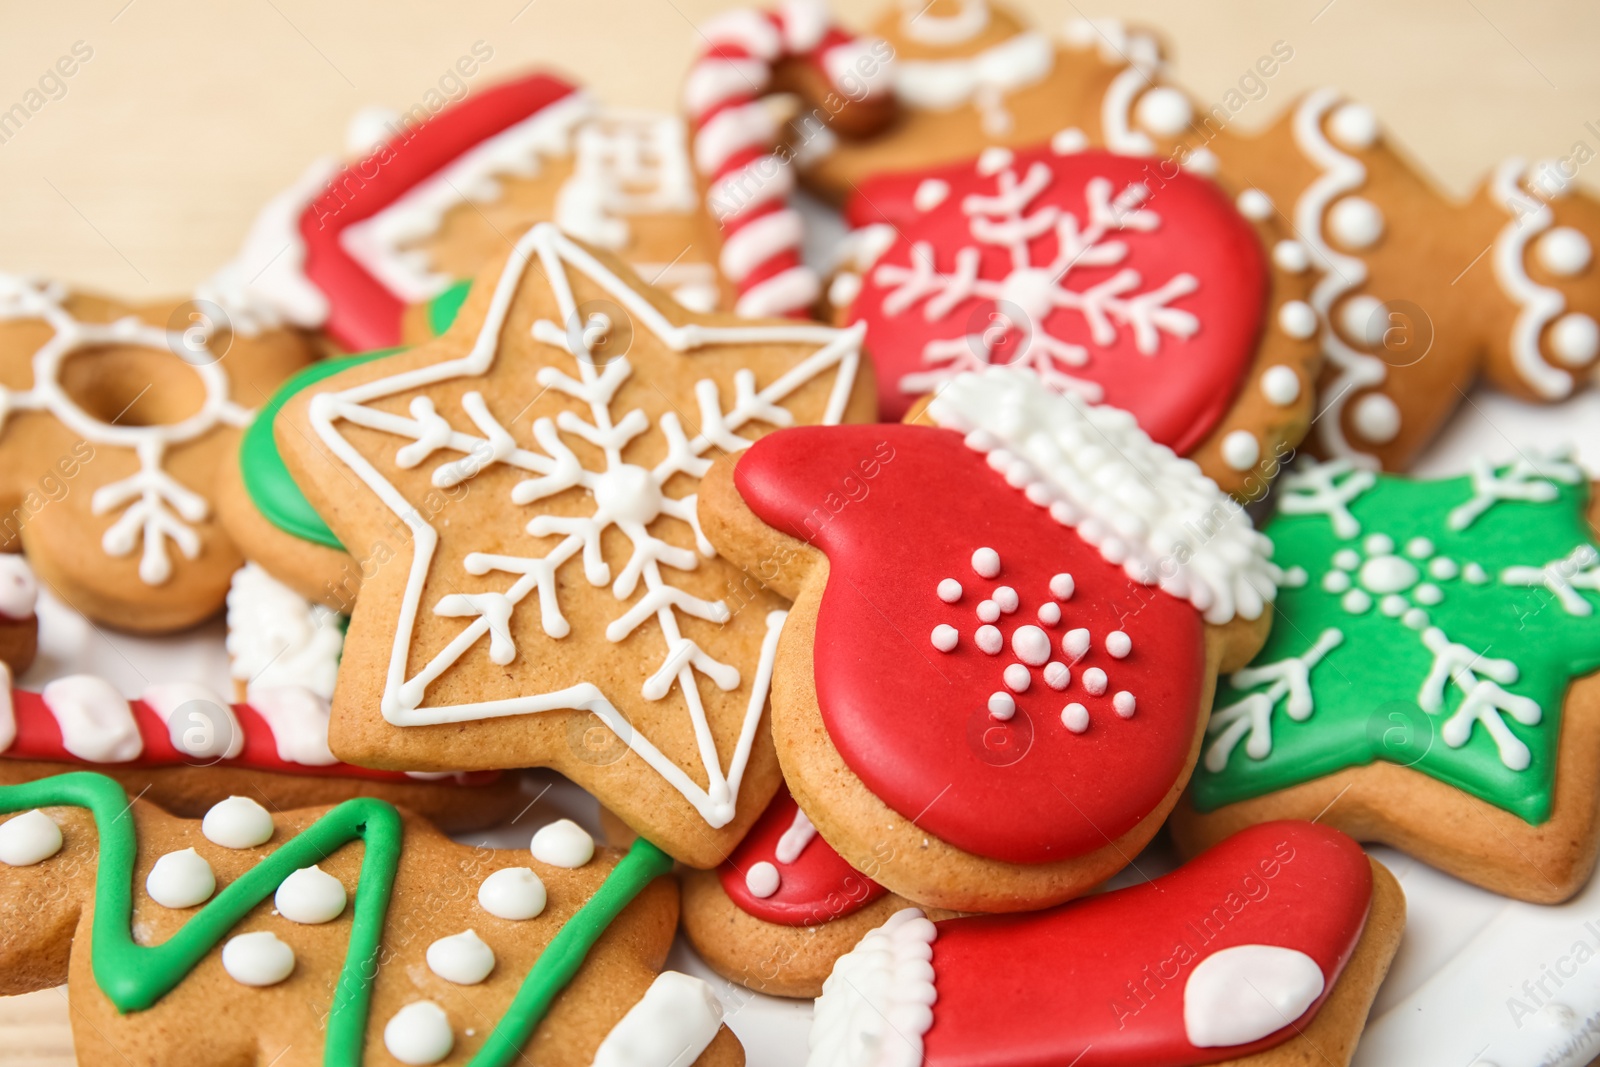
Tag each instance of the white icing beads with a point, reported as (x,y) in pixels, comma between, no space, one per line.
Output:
(986,562)
(1362,320)
(1354,126)
(1280,385)
(461,958)
(1123,703)
(1002,706)
(1075,643)
(1094,682)
(1164,111)
(1075,717)
(1069,141)
(1575,339)
(257,959)
(310,896)
(237,822)
(562,844)
(1255,204)
(1062,586)
(29,838)
(1118,644)
(1006,599)
(1241,450)
(1049,614)
(1291,256)
(181,880)
(945,637)
(1057,676)
(1376,418)
(512,893)
(1563,251)
(949,590)
(930,194)
(988,611)
(1297,319)
(1031,645)
(762,880)
(989,640)
(1355,222)
(1017,678)
(419,1034)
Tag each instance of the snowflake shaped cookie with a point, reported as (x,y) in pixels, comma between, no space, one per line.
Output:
(551,598)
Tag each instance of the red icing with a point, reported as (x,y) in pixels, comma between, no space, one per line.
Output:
(816,888)
(1100,982)
(899,508)
(363,313)
(1181,391)
(39,738)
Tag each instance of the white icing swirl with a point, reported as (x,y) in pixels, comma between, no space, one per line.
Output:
(878,1002)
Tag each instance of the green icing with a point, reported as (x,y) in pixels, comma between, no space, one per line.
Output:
(266,477)
(134,977)
(443,309)
(1432,624)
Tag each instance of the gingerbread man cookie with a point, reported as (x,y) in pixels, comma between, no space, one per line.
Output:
(1052,594)
(264,937)
(114,422)
(563,590)
(1430,683)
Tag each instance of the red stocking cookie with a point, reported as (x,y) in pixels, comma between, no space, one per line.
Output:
(1266,950)
(1051,594)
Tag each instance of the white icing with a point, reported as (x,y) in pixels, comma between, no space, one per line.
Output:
(1075,717)
(29,838)
(1354,126)
(1095,682)
(370,127)
(181,880)
(625,164)
(404,694)
(1575,339)
(945,637)
(1297,319)
(1291,256)
(1355,222)
(1363,320)
(1563,251)
(1069,141)
(1017,678)
(762,880)
(257,959)
(878,1002)
(1280,385)
(512,893)
(1140,56)
(19,589)
(237,822)
(200,723)
(1377,418)
(153,508)
(1075,643)
(919,23)
(1241,450)
(1119,644)
(562,844)
(983,79)
(989,640)
(1242,994)
(419,1034)
(1037,438)
(949,590)
(95,720)
(794,840)
(671,1025)
(8,712)
(298,719)
(461,958)
(311,896)
(986,562)
(1123,703)
(1062,586)
(1166,112)
(1255,204)
(930,194)
(276,637)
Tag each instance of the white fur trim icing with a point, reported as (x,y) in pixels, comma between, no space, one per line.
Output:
(1242,994)
(673,1023)
(276,637)
(200,723)
(878,1002)
(95,720)
(1141,505)
(299,722)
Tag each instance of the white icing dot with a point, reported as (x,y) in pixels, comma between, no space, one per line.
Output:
(1428,593)
(1075,717)
(1202,161)
(1475,574)
(1356,601)
(1575,339)
(1118,644)
(1075,643)
(1416,618)
(1361,318)
(1254,204)
(1291,256)
(181,880)
(1336,581)
(1355,222)
(1297,319)
(1094,681)
(842,292)
(1124,703)
(512,893)
(1376,418)
(1049,613)
(419,1034)
(237,822)
(986,561)
(1164,111)
(29,838)
(1001,706)
(1281,385)
(310,895)
(1240,450)
(1379,544)
(1354,126)
(1294,578)
(1443,569)
(1563,251)
(988,611)
(562,843)
(1393,605)
(1061,586)
(1017,678)
(1007,598)
(1057,675)
(762,880)
(989,640)
(949,590)
(1031,645)
(945,637)
(1347,559)
(992,161)
(930,194)
(1419,548)
(461,958)
(1069,141)
(257,959)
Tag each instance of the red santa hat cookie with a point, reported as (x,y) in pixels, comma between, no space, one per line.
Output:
(1007,623)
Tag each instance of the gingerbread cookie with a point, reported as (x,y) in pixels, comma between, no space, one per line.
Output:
(114,421)
(19,622)
(1266,951)
(1429,684)
(256,930)
(1052,594)
(186,748)
(552,418)
(1159,296)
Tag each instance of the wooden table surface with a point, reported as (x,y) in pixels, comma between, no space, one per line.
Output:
(143,174)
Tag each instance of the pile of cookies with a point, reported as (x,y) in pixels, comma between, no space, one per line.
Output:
(889,604)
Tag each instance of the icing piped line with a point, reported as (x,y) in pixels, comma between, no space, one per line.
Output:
(878,1002)
(1147,510)
(1538,305)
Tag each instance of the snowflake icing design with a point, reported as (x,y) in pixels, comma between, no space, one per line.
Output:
(625,497)
(1036,288)
(1371,576)
(154,509)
